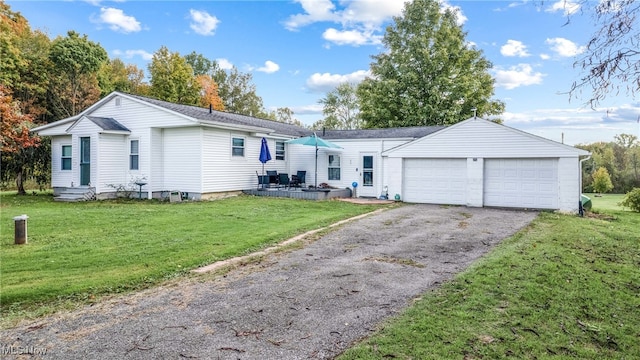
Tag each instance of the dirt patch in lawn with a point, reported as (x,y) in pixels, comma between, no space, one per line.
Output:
(313,302)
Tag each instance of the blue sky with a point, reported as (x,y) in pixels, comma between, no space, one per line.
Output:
(297,50)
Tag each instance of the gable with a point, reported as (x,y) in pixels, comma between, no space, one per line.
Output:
(477,137)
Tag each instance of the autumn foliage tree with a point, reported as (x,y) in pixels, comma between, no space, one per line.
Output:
(209,92)
(17,143)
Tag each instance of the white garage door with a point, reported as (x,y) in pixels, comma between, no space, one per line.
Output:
(435,181)
(521,183)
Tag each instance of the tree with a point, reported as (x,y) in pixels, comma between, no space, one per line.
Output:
(115,75)
(602,181)
(209,92)
(199,64)
(428,74)
(340,108)
(285,115)
(17,142)
(238,92)
(77,61)
(172,78)
(611,61)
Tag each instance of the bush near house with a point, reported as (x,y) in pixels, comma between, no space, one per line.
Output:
(632,200)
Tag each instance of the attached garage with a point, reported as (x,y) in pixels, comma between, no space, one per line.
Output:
(528,183)
(435,181)
(480,163)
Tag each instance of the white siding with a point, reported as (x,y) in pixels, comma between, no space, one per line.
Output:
(135,115)
(475,182)
(183,159)
(483,139)
(156,160)
(59,177)
(569,184)
(112,163)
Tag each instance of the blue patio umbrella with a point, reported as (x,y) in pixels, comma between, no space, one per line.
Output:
(265,155)
(317,142)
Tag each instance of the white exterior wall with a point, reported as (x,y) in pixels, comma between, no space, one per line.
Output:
(483,139)
(351,163)
(133,114)
(85,128)
(112,170)
(475,182)
(393,176)
(183,159)
(59,177)
(302,158)
(156,160)
(569,184)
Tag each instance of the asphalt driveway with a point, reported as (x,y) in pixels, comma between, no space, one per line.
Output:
(309,303)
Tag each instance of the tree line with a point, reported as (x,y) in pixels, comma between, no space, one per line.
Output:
(614,166)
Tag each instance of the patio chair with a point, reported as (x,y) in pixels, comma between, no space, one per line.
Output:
(283,180)
(263,181)
(302,177)
(273,176)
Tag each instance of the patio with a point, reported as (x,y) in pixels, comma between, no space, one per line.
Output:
(298,193)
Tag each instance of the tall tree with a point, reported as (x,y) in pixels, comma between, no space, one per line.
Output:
(427,74)
(340,108)
(17,142)
(209,92)
(285,115)
(115,75)
(238,92)
(199,64)
(172,78)
(611,62)
(77,61)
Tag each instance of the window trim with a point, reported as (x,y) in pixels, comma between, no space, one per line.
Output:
(329,167)
(137,155)
(63,157)
(234,147)
(280,154)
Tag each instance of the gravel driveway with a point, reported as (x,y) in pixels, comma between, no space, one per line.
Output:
(309,303)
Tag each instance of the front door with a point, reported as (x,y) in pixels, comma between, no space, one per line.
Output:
(368,172)
(85,160)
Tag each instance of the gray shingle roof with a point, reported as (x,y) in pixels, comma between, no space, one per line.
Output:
(201,113)
(108,124)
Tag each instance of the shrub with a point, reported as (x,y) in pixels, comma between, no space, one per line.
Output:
(632,200)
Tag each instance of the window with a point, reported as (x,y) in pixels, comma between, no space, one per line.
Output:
(237,146)
(279,150)
(134,155)
(334,167)
(66,157)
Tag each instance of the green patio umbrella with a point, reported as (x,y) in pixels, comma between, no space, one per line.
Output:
(317,142)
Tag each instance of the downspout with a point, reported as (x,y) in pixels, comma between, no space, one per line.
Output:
(580,209)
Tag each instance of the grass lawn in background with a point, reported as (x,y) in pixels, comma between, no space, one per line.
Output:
(79,251)
(606,202)
(565,287)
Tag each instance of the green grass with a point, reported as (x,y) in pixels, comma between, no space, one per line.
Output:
(606,202)
(77,252)
(565,287)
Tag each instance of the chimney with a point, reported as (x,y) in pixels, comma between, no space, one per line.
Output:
(323,129)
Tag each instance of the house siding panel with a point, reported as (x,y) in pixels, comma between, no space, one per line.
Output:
(59,177)
(113,165)
(569,184)
(135,115)
(156,160)
(482,139)
(183,159)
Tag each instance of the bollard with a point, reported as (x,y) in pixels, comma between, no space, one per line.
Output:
(21,229)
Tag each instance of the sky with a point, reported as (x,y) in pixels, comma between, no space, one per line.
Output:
(298,50)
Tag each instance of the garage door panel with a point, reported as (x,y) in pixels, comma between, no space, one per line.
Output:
(435,181)
(523,183)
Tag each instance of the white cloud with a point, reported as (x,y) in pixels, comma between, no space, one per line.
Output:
(514,48)
(269,67)
(313,109)
(315,10)
(564,47)
(117,20)
(203,23)
(326,82)
(545,56)
(128,54)
(351,37)
(224,64)
(516,76)
(568,7)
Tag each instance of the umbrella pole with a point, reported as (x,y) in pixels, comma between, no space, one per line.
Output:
(262,179)
(316,180)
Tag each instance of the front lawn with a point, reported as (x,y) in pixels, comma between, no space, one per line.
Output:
(566,287)
(77,252)
(606,202)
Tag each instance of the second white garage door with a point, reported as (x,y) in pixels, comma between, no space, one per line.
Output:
(435,181)
(521,183)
